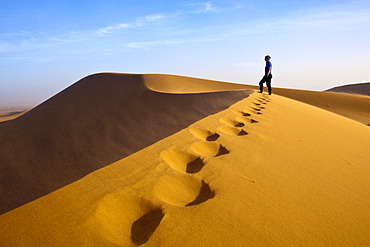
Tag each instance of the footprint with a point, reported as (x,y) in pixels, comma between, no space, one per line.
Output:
(231,130)
(213,137)
(118,214)
(182,161)
(246,119)
(222,151)
(208,149)
(205,194)
(143,228)
(179,189)
(242,113)
(204,135)
(258,103)
(256,108)
(195,166)
(231,122)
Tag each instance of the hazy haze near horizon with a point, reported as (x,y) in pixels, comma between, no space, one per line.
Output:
(45,46)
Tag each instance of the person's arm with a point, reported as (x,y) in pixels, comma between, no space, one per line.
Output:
(268,71)
(268,68)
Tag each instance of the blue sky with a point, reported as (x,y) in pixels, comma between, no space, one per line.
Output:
(47,45)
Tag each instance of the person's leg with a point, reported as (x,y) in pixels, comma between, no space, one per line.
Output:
(268,84)
(261,83)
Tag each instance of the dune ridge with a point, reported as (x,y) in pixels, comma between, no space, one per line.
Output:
(98,120)
(286,183)
(181,84)
(344,103)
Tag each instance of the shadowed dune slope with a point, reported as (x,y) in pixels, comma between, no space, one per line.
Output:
(358,88)
(98,120)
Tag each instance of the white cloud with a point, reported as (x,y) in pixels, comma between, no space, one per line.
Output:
(156,17)
(210,7)
(28,42)
(146,20)
(148,44)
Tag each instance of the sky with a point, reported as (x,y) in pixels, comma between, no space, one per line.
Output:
(47,45)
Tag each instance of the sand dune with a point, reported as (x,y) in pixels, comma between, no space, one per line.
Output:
(158,160)
(96,121)
(357,88)
(9,115)
(267,171)
(356,107)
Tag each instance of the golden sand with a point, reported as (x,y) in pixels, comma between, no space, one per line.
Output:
(267,171)
(356,107)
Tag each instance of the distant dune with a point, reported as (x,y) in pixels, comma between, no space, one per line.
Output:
(9,115)
(358,88)
(96,121)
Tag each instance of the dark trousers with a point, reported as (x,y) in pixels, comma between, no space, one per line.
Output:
(266,79)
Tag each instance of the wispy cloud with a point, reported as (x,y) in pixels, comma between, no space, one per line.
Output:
(161,42)
(24,41)
(27,41)
(211,7)
(172,29)
(148,44)
(320,20)
(140,22)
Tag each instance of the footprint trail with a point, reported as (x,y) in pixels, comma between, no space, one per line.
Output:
(184,188)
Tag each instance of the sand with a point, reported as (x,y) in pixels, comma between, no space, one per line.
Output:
(264,171)
(356,107)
